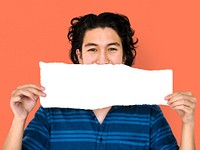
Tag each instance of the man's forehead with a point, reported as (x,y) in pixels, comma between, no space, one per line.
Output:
(101,36)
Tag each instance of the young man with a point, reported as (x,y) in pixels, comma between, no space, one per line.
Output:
(102,39)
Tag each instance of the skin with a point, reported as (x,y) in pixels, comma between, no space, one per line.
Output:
(100,46)
(22,102)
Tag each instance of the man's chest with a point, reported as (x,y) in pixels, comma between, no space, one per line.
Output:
(85,132)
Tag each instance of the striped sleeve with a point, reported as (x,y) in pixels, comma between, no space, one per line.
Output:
(36,135)
(162,137)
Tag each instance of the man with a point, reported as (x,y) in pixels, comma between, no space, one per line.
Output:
(102,39)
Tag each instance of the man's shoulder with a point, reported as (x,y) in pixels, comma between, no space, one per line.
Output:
(57,110)
(139,109)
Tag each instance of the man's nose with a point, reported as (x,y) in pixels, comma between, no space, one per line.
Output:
(102,58)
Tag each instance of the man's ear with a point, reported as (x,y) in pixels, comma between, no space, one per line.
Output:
(79,55)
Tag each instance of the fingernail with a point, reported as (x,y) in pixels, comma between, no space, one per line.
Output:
(44,94)
(42,88)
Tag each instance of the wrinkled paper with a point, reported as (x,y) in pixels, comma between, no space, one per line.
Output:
(98,86)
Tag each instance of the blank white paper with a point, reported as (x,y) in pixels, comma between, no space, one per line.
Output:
(98,86)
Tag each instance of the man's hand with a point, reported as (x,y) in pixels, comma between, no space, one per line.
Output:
(184,103)
(24,99)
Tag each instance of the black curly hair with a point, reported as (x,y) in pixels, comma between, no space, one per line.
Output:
(118,22)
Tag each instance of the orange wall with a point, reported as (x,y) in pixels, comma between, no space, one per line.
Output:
(35,30)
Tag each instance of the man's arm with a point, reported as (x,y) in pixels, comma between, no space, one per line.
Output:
(22,102)
(187,137)
(184,104)
(14,138)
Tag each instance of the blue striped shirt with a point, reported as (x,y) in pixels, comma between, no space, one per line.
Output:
(140,127)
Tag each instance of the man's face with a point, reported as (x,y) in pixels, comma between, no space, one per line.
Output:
(101,46)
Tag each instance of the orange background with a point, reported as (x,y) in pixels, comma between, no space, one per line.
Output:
(35,30)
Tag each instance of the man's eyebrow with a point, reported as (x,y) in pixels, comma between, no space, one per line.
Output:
(90,44)
(114,43)
(93,44)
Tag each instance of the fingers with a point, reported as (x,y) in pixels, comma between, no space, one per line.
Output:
(24,99)
(31,86)
(31,91)
(181,96)
(182,100)
(182,104)
(179,93)
(184,108)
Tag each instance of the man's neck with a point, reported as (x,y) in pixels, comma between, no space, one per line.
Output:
(101,113)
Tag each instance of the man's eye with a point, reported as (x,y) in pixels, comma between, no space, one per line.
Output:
(112,49)
(92,50)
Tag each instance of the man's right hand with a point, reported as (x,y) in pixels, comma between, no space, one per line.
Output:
(24,99)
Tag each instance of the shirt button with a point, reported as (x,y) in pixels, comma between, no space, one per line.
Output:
(101,140)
